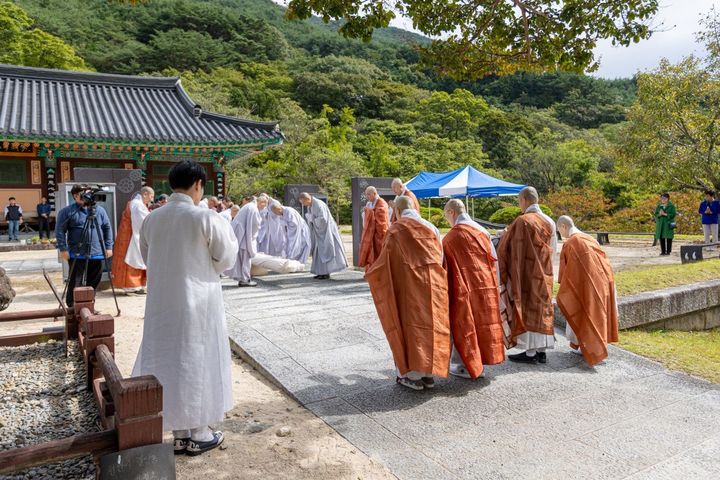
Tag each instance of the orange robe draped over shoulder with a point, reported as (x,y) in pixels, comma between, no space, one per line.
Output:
(587,296)
(416,204)
(525,258)
(123,275)
(410,290)
(474,307)
(374,229)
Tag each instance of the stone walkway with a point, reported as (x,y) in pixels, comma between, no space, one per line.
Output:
(32,265)
(626,418)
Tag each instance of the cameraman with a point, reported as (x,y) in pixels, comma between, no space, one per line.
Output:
(69,227)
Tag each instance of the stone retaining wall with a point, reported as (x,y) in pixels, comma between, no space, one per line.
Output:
(689,307)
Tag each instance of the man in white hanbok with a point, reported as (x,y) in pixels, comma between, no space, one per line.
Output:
(298,243)
(185,341)
(246,225)
(328,252)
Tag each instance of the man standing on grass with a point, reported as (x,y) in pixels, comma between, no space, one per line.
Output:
(587,294)
(185,340)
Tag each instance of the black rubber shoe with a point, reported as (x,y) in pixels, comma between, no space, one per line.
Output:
(542,357)
(523,358)
(197,448)
(180,445)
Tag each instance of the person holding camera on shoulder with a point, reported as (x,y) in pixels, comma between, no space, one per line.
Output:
(79,242)
(665,224)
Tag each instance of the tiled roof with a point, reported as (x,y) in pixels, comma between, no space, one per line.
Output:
(44,104)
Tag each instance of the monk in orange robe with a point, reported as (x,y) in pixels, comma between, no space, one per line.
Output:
(410,289)
(128,268)
(399,188)
(375,226)
(587,294)
(525,257)
(470,261)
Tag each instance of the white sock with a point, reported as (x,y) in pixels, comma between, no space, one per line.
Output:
(530,353)
(201,434)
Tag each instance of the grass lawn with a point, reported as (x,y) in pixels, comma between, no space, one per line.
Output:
(656,277)
(696,353)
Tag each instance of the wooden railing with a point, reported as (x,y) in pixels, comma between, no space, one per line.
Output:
(129,408)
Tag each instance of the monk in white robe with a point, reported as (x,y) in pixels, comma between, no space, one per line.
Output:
(185,340)
(328,252)
(297,233)
(525,254)
(587,296)
(245,225)
(410,289)
(271,238)
(128,268)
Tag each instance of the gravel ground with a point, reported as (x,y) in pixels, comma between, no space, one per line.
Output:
(43,397)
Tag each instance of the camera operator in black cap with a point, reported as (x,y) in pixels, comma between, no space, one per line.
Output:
(81,246)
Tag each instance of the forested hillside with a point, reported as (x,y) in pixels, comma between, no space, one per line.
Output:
(352,108)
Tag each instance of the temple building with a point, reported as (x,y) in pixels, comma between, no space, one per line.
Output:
(52,121)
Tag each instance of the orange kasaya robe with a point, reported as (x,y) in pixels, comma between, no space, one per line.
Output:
(474,309)
(123,275)
(374,229)
(416,204)
(409,286)
(525,258)
(587,296)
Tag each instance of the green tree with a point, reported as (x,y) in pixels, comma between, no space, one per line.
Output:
(474,38)
(21,44)
(456,115)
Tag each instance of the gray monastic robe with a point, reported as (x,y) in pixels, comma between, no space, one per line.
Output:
(245,225)
(271,239)
(298,235)
(328,251)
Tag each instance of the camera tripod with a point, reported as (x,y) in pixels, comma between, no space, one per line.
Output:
(84,251)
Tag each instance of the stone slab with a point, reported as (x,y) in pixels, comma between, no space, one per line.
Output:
(624,418)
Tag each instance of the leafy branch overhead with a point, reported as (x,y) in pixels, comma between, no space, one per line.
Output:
(474,38)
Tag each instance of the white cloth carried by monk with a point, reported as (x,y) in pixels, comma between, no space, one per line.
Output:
(263,264)
(138,212)
(328,251)
(185,340)
(298,243)
(245,225)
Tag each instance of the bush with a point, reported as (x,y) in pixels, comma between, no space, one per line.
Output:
(437,216)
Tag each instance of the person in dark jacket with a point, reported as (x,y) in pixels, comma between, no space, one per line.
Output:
(14,218)
(665,223)
(709,210)
(68,232)
(43,212)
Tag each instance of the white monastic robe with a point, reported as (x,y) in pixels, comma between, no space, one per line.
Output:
(535,340)
(298,235)
(185,340)
(328,251)
(246,225)
(138,212)
(226,214)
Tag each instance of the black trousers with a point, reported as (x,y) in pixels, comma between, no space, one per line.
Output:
(666,245)
(77,268)
(44,227)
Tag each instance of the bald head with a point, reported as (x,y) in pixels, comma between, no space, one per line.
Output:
(564,225)
(147,194)
(276,208)
(305,199)
(262,201)
(453,209)
(371,194)
(403,203)
(528,196)
(398,187)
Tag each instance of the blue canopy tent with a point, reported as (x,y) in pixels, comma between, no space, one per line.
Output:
(464,182)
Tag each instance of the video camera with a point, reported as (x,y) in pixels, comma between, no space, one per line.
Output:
(93,195)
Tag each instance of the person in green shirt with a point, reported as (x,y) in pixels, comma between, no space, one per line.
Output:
(665,223)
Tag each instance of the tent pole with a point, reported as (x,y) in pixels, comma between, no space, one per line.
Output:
(429,199)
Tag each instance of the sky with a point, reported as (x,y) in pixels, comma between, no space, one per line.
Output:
(677,22)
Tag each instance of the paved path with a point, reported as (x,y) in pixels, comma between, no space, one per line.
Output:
(625,418)
(31,265)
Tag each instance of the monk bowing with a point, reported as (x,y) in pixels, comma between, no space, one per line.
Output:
(409,286)
(525,257)
(471,264)
(375,226)
(587,294)
(399,188)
